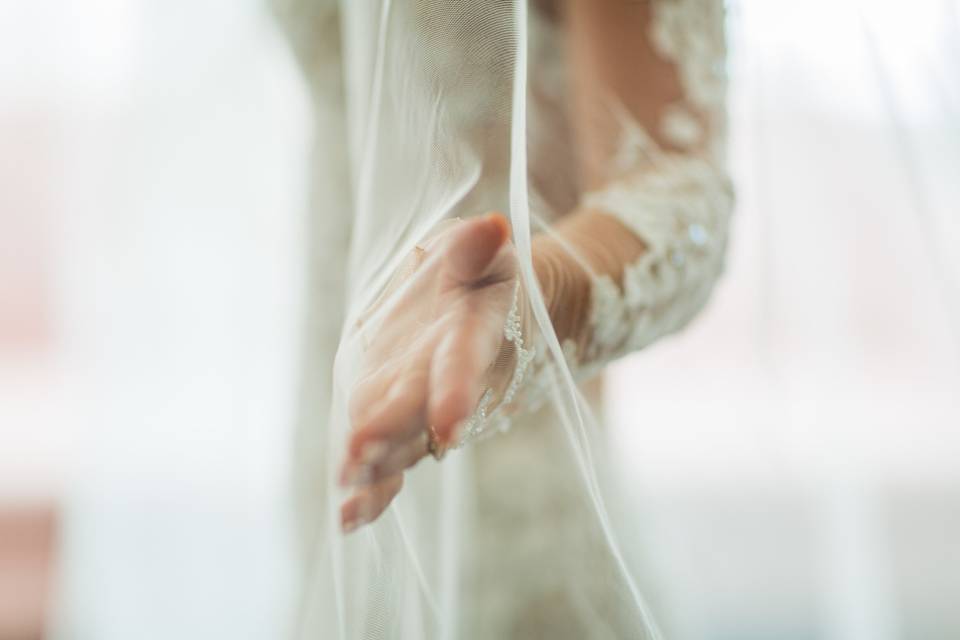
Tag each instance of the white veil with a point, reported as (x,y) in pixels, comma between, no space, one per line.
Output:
(834,342)
(445,112)
(437,115)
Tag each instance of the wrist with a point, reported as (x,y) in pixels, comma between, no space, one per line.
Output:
(565,285)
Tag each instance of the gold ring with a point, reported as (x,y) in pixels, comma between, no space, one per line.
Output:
(434,448)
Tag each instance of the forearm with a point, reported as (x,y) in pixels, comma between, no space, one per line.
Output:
(638,260)
(585,244)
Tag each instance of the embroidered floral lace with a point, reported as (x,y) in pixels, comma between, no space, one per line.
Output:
(674,195)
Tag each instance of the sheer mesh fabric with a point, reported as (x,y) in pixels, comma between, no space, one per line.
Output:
(599,133)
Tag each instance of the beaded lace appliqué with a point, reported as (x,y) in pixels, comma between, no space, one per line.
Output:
(485,421)
(677,202)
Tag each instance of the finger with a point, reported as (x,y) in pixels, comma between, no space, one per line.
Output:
(367,394)
(368,503)
(473,246)
(456,376)
(395,418)
(398,459)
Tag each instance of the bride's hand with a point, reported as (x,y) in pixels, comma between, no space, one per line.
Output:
(426,358)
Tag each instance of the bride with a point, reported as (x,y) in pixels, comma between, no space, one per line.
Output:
(506,198)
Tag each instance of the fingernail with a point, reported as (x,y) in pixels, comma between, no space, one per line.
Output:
(355,475)
(501,221)
(348,477)
(350,525)
(373,452)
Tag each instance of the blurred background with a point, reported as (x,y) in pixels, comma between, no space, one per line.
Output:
(791,460)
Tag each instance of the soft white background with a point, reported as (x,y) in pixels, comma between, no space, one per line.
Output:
(791,460)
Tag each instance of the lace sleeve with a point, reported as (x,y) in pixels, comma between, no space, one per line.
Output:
(680,212)
(654,164)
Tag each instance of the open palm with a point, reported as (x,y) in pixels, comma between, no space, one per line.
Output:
(425,362)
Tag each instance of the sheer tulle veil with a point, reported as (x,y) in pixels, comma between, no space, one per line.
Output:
(435,110)
(437,127)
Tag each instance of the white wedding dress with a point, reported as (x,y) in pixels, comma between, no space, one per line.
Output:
(532,560)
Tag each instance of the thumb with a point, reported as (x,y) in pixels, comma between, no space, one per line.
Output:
(473,246)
